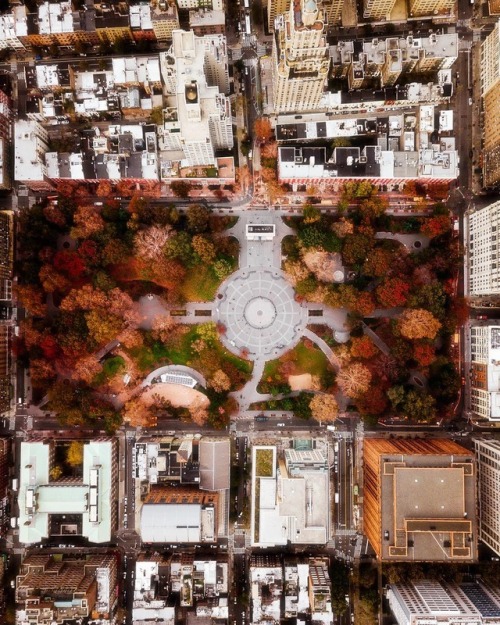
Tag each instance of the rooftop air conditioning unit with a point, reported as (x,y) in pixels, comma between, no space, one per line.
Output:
(363,159)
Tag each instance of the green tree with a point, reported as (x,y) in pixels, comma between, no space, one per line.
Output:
(197,218)
(310,214)
(357,248)
(419,405)
(156,115)
(432,297)
(222,268)
(204,248)
(444,380)
(179,246)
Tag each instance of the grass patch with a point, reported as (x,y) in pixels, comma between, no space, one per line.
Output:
(310,360)
(153,354)
(200,284)
(264,462)
(110,368)
(301,359)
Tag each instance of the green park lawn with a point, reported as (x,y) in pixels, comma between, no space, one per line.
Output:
(200,284)
(305,359)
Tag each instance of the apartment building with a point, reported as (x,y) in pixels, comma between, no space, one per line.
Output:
(485,371)
(165,20)
(488,473)
(390,149)
(490,92)
(8,35)
(423,8)
(482,280)
(300,58)
(63,588)
(420,528)
(296,589)
(385,60)
(141,22)
(30,146)
(378,9)
(195,73)
(429,602)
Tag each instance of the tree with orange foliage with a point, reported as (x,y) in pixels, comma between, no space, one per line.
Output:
(104,189)
(198,412)
(262,129)
(86,369)
(32,298)
(162,327)
(42,370)
(363,347)
(324,408)
(88,221)
(424,353)
(137,414)
(373,402)
(354,380)
(393,292)
(436,226)
(418,323)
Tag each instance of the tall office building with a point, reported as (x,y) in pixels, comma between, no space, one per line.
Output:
(378,9)
(421,8)
(490,92)
(485,371)
(483,254)
(488,470)
(300,58)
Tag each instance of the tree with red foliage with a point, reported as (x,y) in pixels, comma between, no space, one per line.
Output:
(70,263)
(363,347)
(436,226)
(373,402)
(32,298)
(49,347)
(393,292)
(424,353)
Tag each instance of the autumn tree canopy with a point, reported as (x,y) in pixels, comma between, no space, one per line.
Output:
(324,408)
(418,323)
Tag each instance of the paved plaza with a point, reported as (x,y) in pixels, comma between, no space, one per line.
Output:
(258,309)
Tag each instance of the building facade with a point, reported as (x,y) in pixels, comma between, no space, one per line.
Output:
(482,265)
(490,92)
(421,8)
(300,58)
(485,371)
(378,9)
(488,470)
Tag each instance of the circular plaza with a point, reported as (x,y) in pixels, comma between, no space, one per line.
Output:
(258,309)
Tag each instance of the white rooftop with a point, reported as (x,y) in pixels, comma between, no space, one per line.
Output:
(91,497)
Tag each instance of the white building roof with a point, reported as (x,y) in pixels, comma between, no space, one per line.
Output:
(28,149)
(38,497)
(171,523)
(55,18)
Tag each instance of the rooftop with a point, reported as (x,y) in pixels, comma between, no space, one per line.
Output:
(401,520)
